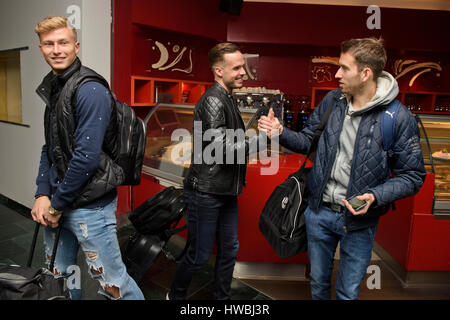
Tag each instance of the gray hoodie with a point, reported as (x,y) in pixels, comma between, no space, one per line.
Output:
(336,188)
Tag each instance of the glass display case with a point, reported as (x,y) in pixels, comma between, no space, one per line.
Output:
(169,145)
(169,140)
(436,154)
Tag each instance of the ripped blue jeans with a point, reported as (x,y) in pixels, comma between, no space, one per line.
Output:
(94,230)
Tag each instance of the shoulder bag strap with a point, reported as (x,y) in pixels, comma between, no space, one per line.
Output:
(317,134)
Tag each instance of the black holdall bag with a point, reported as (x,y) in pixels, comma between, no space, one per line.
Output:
(282,220)
(27,283)
(160,212)
(155,221)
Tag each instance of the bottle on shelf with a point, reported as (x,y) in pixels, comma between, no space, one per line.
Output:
(288,117)
(302,115)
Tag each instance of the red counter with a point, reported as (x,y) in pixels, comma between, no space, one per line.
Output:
(414,242)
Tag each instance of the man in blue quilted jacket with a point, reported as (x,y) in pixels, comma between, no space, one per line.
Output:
(350,161)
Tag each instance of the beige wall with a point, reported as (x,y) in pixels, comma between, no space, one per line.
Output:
(20,146)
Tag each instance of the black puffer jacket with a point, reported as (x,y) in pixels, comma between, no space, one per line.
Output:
(216,119)
(109,174)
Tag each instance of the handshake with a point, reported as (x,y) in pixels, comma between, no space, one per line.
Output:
(270,125)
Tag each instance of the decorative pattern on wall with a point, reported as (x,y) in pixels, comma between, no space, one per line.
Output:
(251,66)
(321,71)
(176,57)
(428,66)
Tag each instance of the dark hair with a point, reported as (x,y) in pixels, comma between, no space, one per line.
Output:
(217,52)
(368,52)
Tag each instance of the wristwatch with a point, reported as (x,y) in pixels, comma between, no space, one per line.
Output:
(54,212)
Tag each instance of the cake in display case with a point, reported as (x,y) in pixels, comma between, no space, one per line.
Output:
(169,140)
(437,157)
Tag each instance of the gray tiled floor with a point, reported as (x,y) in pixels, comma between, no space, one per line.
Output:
(16,233)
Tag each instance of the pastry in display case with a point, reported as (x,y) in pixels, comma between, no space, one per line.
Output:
(169,140)
(437,157)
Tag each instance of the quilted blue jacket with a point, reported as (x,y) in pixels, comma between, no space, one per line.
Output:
(389,178)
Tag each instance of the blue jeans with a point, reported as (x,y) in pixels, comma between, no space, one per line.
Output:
(209,216)
(95,231)
(325,228)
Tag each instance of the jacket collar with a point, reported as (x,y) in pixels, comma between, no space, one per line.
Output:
(338,95)
(68,73)
(50,80)
(220,88)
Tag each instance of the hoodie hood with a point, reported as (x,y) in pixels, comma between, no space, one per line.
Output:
(387,90)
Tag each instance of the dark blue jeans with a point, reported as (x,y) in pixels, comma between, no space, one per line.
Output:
(325,228)
(210,216)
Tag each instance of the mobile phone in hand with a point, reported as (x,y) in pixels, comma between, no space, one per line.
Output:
(356,204)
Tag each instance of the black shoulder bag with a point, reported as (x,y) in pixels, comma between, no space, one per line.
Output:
(282,220)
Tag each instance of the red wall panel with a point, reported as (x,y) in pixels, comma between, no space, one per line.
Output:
(324,25)
(199,17)
(121,52)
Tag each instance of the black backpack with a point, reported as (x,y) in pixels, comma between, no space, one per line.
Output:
(126,135)
(132,139)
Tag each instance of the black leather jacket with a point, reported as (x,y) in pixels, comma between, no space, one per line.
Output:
(218,175)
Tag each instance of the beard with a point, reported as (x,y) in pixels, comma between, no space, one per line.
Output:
(352,89)
(234,83)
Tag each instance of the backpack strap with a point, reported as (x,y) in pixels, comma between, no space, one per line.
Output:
(319,129)
(388,119)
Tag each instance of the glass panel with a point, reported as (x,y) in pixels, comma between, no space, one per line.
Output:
(173,158)
(160,127)
(438,132)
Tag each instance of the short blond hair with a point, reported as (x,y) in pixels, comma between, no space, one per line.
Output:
(54,22)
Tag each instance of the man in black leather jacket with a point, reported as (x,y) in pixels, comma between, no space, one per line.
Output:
(216,176)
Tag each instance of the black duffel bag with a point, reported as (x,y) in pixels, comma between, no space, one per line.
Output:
(27,283)
(155,221)
(282,220)
(23,283)
(159,213)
